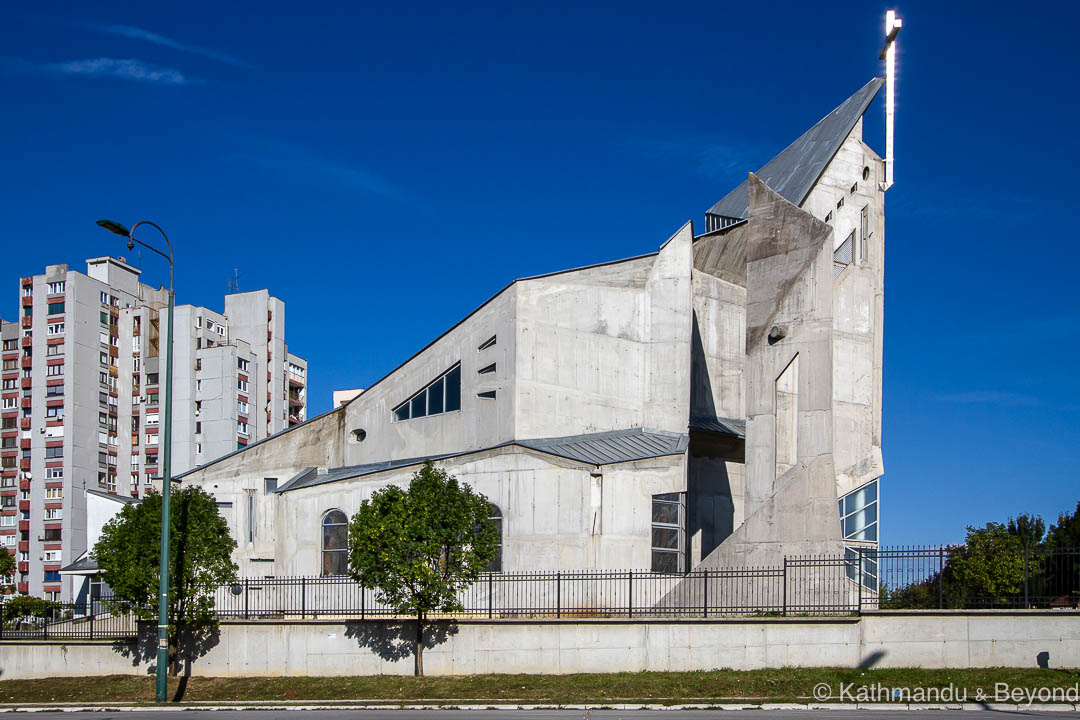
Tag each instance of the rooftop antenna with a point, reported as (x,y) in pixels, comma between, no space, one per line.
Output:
(888,54)
(234,282)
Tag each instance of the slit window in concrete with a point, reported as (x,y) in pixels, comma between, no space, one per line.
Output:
(487,343)
(486,369)
(441,395)
(487,394)
(786,429)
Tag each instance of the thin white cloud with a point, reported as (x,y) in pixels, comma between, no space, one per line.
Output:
(137,33)
(127,69)
(990,397)
(293,159)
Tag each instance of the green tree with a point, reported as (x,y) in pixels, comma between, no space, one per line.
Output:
(200,551)
(25,606)
(1065,533)
(418,548)
(7,569)
(987,568)
(1029,528)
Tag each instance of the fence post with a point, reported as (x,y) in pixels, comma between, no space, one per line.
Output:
(941,579)
(491,593)
(558,594)
(303,597)
(45,625)
(859,580)
(363,602)
(630,598)
(784,599)
(91,619)
(246,615)
(1027,603)
(705,601)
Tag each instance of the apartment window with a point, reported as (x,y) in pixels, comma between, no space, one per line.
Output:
(198,448)
(209,324)
(7,423)
(151,378)
(152,418)
(242,385)
(7,520)
(104,297)
(54,474)
(52,556)
(242,364)
(10,402)
(152,399)
(440,396)
(11,364)
(198,407)
(152,439)
(54,452)
(241,427)
(52,576)
(136,363)
(55,288)
(54,413)
(198,386)
(54,391)
(104,317)
(52,534)
(54,493)
(859,513)
(136,343)
(12,344)
(10,384)
(55,329)
(56,349)
(668,536)
(54,370)
(198,363)
(198,428)
(7,501)
(54,513)
(242,407)
(335,543)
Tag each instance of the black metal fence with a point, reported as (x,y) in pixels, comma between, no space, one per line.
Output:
(98,620)
(861,579)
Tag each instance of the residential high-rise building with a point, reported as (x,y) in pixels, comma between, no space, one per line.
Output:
(82,404)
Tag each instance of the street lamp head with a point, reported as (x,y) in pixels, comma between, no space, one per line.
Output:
(115,227)
(131,244)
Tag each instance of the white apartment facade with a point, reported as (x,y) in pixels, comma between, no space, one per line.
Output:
(82,401)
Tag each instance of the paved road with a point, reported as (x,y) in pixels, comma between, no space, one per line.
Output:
(289,714)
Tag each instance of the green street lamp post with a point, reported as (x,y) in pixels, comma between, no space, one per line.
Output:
(166,485)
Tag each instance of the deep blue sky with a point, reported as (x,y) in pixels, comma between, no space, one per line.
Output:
(386,169)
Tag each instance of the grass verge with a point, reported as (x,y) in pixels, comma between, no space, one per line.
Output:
(793,684)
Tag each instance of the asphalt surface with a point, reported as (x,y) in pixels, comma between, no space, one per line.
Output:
(392,714)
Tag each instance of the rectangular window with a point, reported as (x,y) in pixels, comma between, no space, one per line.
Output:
(55,329)
(52,534)
(54,474)
(52,556)
(864,231)
(55,288)
(56,308)
(242,427)
(151,378)
(54,452)
(12,344)
(152,439)
(859,513)
(442,395)
(242,385)
(152,399)
(242,364)
(54,513)
(7,520)
(198,363)
(54,493)
(54,391)
(54,370)
(55,349)
(242,407)
(251,515)
(668,532)
(10,402)
(152,418)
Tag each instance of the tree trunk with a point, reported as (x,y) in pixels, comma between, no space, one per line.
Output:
(174,655)
(419,643)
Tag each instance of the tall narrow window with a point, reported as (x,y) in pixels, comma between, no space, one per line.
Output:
(335,543)
(497,518)
(786,426)
(667,532)
(251,515)
(864,232)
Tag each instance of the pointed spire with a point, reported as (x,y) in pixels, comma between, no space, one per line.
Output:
(794,171)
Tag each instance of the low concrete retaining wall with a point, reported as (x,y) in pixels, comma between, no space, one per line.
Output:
(334,648)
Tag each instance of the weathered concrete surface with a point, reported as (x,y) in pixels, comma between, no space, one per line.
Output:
(947,640)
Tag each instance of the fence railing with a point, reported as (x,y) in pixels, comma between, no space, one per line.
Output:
(861,579)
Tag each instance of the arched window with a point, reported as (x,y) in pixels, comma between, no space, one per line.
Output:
(335,543)
(497,518)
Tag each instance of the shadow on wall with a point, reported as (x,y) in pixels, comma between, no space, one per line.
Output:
(193,644)
(393,641)
(871,660)
(1043,659)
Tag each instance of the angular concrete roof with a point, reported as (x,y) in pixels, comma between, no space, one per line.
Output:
(724,426)
(793,172)
(593,448)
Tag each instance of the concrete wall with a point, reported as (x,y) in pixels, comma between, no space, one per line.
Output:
(947,640)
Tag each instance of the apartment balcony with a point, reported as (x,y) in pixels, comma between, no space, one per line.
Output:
(24,566)
(24,464)
(24,484)
(27,383)
(24,424)
(295,379)
(27,341)
(26,363)
(24,546)
(24,444)
(26,404)
(23,588)
(24,526)
(27,321)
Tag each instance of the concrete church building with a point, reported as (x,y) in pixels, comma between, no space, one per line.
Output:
(716,403)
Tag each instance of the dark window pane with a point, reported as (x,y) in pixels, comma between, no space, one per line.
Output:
(665,538)
(334,563)
(435,397)
(668,497)
(667,513)
(419,406)
(453,389)
(402,413)
(335,517)
(665,561)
